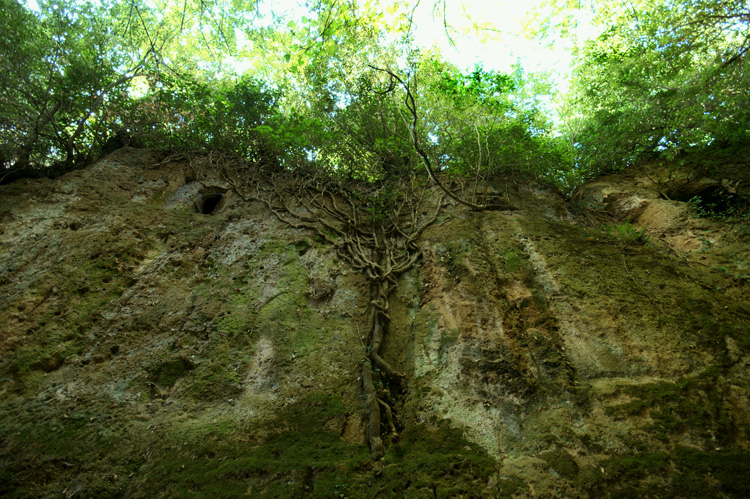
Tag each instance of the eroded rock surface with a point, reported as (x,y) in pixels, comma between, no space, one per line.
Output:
(151,349)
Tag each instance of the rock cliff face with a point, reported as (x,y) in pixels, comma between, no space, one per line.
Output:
(162,337)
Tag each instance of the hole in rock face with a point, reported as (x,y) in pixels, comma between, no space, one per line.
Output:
(209,202)
(710,194)
(714,200)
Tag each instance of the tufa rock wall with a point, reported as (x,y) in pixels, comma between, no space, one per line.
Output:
(161,337)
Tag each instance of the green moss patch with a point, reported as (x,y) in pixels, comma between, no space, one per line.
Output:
(436,461)
(562,462)
(52,453)
(166,373)
(698,472)
(691,405)
(682,473)
(298,454)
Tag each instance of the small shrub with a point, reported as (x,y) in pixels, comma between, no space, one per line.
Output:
(625,231)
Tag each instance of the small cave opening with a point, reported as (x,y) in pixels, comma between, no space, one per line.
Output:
(209,202)
(688,193)
(712,200)
(713,197)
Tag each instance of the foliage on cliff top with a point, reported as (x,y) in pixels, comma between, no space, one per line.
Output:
(664,80)
(83,79)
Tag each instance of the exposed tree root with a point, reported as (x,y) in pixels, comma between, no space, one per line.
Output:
(373,408)
(374,231)
(388,417)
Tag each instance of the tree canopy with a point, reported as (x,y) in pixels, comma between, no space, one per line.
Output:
(332,86)
(665,81)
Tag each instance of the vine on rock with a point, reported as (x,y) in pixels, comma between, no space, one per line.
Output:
(375,229)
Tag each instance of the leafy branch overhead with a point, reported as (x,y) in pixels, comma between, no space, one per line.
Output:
(82,79)
(664,80)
